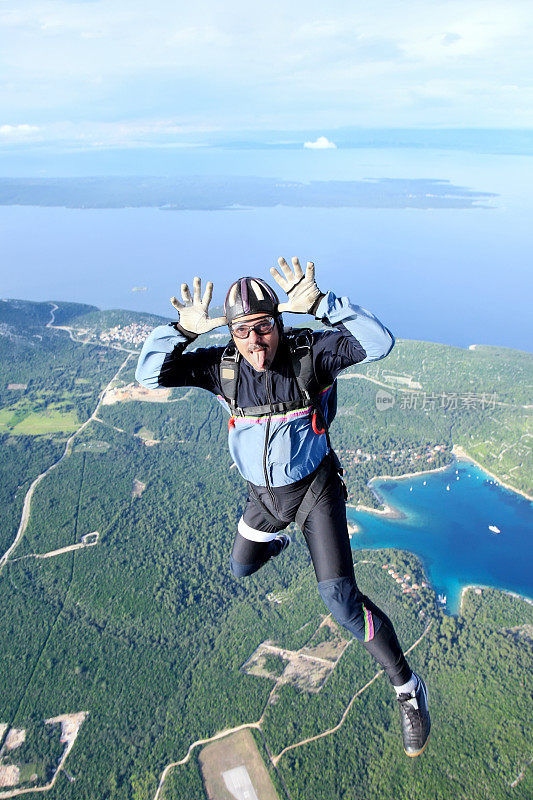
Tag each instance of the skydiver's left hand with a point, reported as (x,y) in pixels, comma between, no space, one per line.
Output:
(304,295)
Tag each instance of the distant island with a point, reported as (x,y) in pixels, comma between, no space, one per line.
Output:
(233,193)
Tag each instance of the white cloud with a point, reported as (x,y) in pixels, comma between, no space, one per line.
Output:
(199,36)
(124,134)
(322,143)
(17,132)
(285,65)
(470,33)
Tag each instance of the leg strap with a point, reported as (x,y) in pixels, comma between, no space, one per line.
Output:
(330,462)
(270,518)
(254,535)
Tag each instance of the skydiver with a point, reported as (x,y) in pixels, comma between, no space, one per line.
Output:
(280,389)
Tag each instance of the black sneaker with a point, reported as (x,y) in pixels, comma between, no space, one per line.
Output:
(283,540)
(414,717)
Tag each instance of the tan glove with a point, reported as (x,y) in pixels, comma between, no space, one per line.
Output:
(194,310)
(304,295)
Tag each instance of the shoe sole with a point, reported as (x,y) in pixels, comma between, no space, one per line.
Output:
(419,752)
(414,755)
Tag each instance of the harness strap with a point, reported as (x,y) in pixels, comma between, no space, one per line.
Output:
(229,374)
(313,493)
(329,463)
(302,363)
(275,408)
(304,372)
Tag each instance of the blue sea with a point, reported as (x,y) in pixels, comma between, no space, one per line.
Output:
(448,529)
(458,276)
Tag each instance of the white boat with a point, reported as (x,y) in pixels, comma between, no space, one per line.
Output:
(448,488)
(424,483)
(494,529)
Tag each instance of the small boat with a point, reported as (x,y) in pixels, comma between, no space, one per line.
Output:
(424,483)
(410,488)
(494,529)
(448,488)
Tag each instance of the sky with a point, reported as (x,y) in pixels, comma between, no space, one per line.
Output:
(97,73)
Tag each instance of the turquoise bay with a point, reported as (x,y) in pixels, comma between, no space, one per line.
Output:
(444,519)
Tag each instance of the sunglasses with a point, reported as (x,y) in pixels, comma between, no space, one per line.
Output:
(261,328)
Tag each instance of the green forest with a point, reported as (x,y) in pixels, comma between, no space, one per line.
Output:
(147,630)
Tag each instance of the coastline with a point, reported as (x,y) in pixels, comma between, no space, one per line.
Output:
(460,453)
(387,511)
(481,586)
(390,512)
(410,474)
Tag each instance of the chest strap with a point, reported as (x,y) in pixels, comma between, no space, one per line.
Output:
(299,343)
(271,408)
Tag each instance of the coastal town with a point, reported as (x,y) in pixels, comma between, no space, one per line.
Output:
(404,581)
(134,334)
(358,456)
(361,464)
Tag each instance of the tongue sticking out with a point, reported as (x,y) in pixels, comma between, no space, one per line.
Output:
(258,358)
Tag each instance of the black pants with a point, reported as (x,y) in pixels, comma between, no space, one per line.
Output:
(326,535)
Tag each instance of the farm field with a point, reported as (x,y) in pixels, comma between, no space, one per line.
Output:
(236,762)
(33,423)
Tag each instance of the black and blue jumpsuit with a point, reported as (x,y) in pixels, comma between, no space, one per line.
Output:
(279,454)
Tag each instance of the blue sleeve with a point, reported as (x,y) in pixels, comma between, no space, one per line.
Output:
(359,336)
(163,362)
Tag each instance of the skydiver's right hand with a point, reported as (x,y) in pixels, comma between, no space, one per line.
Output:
(193,311)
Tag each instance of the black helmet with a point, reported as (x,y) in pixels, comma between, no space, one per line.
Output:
(250,296)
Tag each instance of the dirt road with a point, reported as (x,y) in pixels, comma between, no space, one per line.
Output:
(258,724)
(26,508)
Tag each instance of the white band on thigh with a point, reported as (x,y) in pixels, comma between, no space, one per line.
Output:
(254,535)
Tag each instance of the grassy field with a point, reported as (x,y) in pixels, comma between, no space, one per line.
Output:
(23,422)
